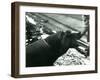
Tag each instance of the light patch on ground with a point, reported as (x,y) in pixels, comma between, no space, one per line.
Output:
(72,57)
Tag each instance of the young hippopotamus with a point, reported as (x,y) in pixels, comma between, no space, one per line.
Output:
(46,52)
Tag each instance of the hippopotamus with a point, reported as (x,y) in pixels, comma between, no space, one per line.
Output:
(45,52)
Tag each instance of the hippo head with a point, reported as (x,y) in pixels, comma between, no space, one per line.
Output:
(61,41)
(69,40)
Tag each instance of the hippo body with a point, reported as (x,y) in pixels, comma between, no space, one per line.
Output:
(46,52)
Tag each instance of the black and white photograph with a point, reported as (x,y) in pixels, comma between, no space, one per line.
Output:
(51,39)
(56,39)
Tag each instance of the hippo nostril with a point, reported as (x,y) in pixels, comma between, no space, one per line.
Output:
(79,35)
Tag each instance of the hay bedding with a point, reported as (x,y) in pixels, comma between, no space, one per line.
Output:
(72,57)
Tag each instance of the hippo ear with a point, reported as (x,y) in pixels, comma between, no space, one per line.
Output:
(68,33)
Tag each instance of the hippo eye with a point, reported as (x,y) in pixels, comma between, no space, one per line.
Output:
(79,35)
